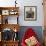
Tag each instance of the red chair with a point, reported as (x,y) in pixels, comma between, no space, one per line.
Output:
(29,33)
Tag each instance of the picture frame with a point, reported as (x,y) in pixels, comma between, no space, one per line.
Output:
(30,13)
(5,12)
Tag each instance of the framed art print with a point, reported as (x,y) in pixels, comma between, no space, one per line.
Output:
(5,12)
(30,13)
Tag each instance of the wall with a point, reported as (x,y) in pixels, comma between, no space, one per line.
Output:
(21,4)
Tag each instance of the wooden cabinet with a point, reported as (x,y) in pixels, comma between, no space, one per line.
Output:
(7,26)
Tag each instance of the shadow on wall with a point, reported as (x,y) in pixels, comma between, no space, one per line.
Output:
(37,29)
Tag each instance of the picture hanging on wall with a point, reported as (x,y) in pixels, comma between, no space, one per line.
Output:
(30,13)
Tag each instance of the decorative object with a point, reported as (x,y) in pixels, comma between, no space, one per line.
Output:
(15,3)
(5,12)
(13,12)
(15,37)
(30,13)
(6,21)
(15,34)
(15,30)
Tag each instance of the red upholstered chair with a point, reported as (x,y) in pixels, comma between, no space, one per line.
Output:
(30,34)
